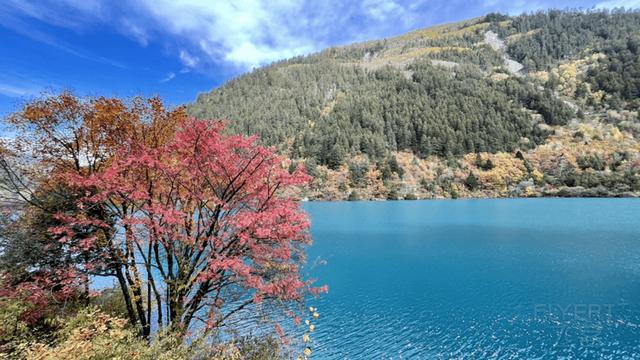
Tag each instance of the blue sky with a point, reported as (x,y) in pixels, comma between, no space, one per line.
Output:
(177,49)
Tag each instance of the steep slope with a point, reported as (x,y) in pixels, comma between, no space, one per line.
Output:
(426,91)
(493,85)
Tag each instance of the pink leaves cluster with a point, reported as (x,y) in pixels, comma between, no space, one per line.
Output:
(42,290)
(206,211)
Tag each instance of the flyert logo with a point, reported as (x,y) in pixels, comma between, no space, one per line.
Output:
(586,322)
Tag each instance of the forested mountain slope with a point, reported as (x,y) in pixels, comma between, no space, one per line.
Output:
(495,86)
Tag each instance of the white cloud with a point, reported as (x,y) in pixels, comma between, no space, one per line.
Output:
(138,33)
(514,7)
(383,9)
(245,33)
(73,14)
(15,84)
(611,4)
(66,13)
(188,60)
(18,91)
(250,33)
(170,76)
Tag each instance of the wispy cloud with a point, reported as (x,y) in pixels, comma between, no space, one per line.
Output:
(250,33)
(188,60)
(73,14)
(15,91)
(515,7)
(170,76)
(611,4)
(243,34)
(20,85)
(246,33)
(13,16)
(382,9)
(138,33)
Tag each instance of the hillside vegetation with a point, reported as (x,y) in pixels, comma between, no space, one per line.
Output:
(538,104)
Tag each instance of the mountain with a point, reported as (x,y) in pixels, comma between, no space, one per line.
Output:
(538,104)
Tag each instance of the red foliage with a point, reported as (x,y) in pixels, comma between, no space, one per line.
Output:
(42,291)
(206,211)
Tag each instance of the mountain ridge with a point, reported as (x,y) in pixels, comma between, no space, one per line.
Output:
(485,86)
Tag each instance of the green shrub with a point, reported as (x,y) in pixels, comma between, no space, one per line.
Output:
(13,330)
(591,162)
(357,171)
(410,196)
(472,182)
(393,195)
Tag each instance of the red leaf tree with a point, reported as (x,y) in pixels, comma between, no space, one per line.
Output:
(58,138)
(203,230)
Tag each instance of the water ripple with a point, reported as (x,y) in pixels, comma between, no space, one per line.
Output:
(540,279)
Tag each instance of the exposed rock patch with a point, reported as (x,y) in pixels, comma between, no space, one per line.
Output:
(493,40)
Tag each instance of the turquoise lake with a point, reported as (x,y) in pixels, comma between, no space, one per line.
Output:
(474,279)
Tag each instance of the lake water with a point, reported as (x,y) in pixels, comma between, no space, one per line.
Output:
(503,279)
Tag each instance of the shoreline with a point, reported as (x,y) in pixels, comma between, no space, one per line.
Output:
(474,198)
